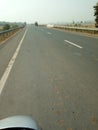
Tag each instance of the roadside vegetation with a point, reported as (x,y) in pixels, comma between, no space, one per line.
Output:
(6,27)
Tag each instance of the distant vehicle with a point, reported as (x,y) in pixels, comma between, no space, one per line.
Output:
(19,122)
(36,24)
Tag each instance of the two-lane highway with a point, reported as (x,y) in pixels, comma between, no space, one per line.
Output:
(53,76)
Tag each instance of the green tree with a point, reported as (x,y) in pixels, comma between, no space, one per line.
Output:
(96,14)
(6,27)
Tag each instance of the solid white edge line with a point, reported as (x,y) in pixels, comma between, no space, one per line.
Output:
(73,44)
(10,65)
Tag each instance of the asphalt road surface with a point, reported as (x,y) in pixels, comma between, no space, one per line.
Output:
(53,76)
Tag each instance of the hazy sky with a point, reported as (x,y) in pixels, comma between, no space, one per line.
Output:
(47,11)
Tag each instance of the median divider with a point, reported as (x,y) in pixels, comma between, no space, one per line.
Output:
(78,29)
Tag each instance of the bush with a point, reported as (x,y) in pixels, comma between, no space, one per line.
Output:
(6,27)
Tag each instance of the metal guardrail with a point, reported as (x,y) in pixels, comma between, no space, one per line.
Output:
(78,29)
(10,30)
(7,33)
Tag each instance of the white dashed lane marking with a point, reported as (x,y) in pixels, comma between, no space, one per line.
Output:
(73,44)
